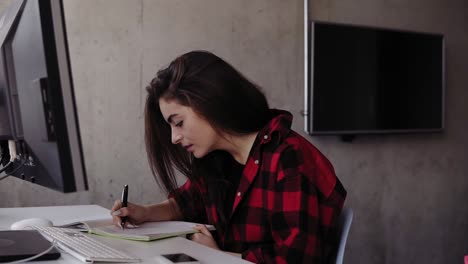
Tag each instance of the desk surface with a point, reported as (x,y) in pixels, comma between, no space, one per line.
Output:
(144,250)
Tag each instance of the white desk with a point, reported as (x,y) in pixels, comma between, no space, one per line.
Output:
(144,250)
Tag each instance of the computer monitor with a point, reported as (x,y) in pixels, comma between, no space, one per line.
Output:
(37,104)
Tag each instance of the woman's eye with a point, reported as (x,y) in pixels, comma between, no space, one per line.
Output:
(179,124)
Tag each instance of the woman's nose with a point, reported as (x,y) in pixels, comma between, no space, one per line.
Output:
(176,137)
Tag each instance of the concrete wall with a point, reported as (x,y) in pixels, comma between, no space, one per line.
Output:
(407,190)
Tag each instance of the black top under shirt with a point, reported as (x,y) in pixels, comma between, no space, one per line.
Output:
(233,174)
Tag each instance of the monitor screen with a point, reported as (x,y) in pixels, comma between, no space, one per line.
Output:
(37,96)
(371,80)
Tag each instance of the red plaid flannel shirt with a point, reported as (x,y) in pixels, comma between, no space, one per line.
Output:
(286,205)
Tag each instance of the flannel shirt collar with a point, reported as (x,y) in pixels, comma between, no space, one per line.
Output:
(278,127)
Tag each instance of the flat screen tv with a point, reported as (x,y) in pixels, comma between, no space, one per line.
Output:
(365,80)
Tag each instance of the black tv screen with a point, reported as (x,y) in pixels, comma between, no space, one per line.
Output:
(365,80)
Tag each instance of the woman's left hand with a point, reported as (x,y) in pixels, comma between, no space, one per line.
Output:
(204,237)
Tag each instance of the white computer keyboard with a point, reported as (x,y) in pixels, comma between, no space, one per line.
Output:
(83,247)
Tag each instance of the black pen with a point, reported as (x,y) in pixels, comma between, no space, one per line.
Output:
(124,204)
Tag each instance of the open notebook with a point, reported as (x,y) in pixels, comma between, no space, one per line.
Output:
(145,232)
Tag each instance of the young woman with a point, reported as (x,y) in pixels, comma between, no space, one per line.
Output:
(272,196)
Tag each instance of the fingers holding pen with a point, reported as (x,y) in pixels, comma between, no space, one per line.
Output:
(121,212)
(118,212)
(135,214)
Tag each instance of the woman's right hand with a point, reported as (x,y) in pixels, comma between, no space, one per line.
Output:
(136,214)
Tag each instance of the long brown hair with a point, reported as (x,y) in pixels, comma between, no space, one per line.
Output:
(217,92)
